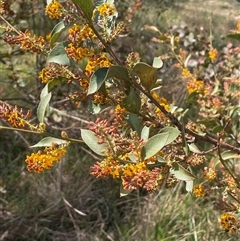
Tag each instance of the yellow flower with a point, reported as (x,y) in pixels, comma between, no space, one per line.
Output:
(106,9)
(15,117)
(163,102)
(42,160)
(120,111)
(238,26)
(97,62)
(99,98)
(229,222)
(213,53)
(195,86)
(186,73)
(209,174)
(199,191)
(132,169)
(54,9)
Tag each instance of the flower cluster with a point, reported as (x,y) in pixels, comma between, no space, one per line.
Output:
(52,71)
(106,9)
(120,112)
(199,191)
(15,117)
(209,173)
(54,9)
(230,222)
(30,43)
(196,86)
(83,44)
(124,160)
(213,53)
(133,175)
(164,103)
(45,159)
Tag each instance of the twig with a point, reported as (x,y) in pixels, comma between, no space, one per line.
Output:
(232,174)
(175,121)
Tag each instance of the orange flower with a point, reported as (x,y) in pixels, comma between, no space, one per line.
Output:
(199,191)
(213,53)
(54,9)
(229,222)
(195,86)
(15,117)
(42,160)
(106,9)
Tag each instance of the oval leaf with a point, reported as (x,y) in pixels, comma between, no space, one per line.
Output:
(157,63)
(124,192)
(44,91)
(86,6)
(58,55)
(56,32)
(173,133)
(133,121)
(234,36)
(47,141)
(146,73)
(132,102)
(97,79)
(103,74)
(226,156)
(189,186)
(92,142)
(181,173)
(41,109)
(145,133)
(154,145)
(193,148)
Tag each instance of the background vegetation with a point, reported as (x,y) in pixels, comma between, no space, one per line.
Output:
(68,204)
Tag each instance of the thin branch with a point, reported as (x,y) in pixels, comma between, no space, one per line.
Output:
(39,133)
(175,121)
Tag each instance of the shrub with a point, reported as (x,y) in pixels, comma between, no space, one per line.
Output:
(144,135)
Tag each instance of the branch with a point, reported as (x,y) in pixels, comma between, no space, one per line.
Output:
(175,121)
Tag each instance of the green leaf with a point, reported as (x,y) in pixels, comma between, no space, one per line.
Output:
(173,133)
(97,79)
(43,105)
(44,91)
(56,32)
(234,36)
(49,86)
(234,111)
(154,145)
(96,108)
(157,63)
(145,133)
(226,156)
(124,192)
(103,74)
(160,159)
(217,129)
(47,141)
(181,173)
(86,6)
(193,148)
(133,121)
(132,102)
(147,73)
(192,97)
(189,186)
(92,142)
(54,82)
(58,55)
